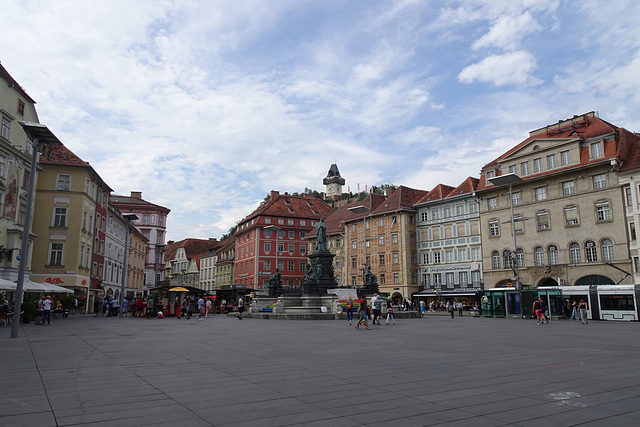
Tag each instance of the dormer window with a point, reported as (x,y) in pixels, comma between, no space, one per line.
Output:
(595,150)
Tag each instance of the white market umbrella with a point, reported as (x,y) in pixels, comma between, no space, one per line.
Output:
(7,285)
(30,286)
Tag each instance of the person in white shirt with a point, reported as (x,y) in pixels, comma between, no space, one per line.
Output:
(200,307)
(46,310)
(240,307)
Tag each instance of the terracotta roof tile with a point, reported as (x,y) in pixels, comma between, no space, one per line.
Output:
(402,198)
(582,127)
(335,222)
(468,186)
(438,192)
(61,155)
(288,206)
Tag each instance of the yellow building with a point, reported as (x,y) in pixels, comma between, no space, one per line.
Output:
(137,250)
(64,218)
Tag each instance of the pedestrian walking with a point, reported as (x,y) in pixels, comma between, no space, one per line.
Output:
(575,311)
(451,308)
(200,308)
(240,308)
(363,314)
(208,306)
(583,311)
(349,309)
(390,313)
(459,307)
(376,306)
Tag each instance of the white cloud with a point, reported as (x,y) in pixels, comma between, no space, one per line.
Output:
(508,32)
(513,68)
(207,106)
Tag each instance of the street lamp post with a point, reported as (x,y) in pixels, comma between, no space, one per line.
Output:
(39,135)
(498,181)
(363,209)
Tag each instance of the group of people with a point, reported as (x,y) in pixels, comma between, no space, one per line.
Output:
(205,307)
(43,310)
(579,311)
(371,309)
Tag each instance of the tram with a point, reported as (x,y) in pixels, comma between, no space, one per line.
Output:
(619,302)
(604,302)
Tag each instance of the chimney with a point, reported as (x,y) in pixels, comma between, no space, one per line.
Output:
(390,191)
(274,195)
(136,194)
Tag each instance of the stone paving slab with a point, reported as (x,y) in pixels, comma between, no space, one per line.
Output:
(221,371)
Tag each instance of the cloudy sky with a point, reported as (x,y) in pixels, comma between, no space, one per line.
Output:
(205,106)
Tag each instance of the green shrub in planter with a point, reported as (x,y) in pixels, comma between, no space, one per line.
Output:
(29,306)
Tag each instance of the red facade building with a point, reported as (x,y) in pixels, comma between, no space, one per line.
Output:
(275,236)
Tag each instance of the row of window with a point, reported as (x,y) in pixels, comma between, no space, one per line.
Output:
(446,212)
(247,266)
(540,193)
(451,279)
(279,221)
(281,234)
(392,220)
(382,259)
(380,240)
(603,213)
(590,251)
(596,151)
(451,256)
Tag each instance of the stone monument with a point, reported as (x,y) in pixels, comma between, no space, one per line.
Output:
(275,284)
(319,275)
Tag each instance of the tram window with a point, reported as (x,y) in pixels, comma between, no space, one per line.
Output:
(617,302)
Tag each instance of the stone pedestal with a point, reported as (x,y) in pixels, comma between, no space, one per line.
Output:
(323,278)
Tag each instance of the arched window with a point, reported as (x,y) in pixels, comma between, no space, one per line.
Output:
(495,260)
(508,261)
(538,255)
(590,251)
(520,258)
(553,254)
(607,250)
(575,255)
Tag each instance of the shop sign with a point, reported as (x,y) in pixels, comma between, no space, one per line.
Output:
(54,280)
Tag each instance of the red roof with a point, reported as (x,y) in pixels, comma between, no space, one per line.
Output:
(438,192)
(288,206)
(402,198)
(468,186)
(582,127)
(193,248)
(61,155)
(335,222)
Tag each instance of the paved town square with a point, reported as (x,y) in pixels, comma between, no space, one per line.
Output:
(224,371)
